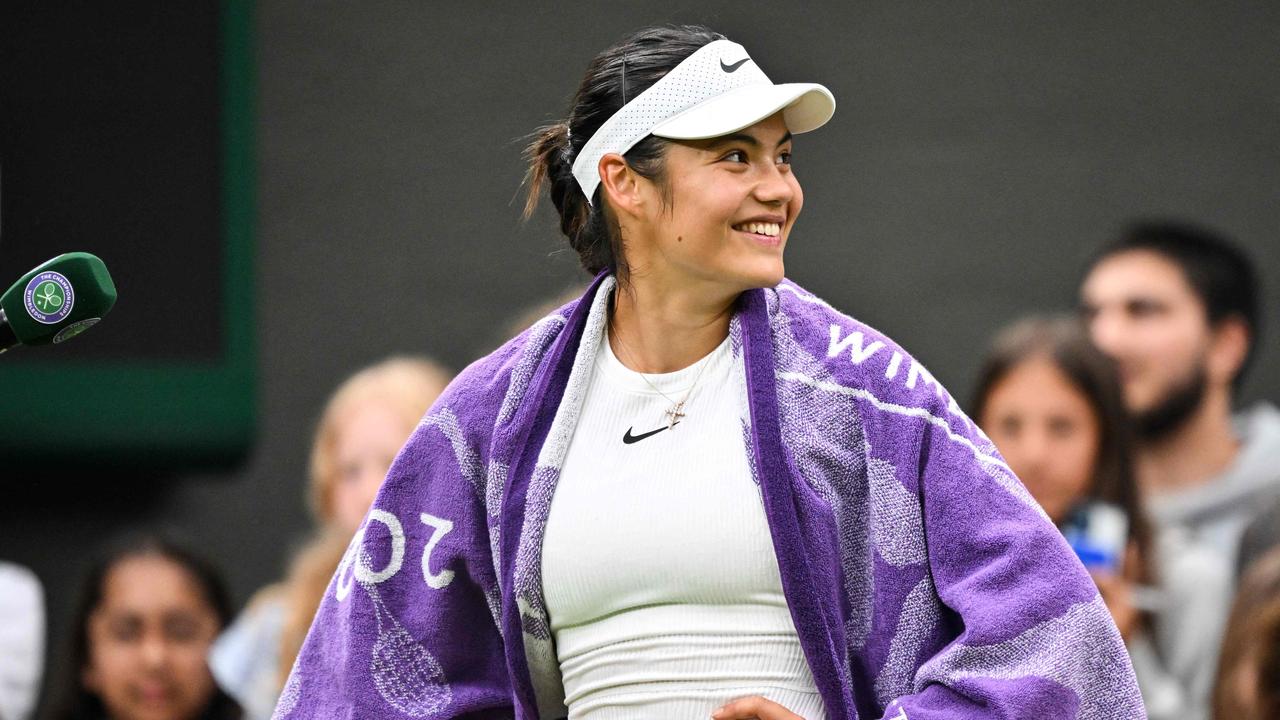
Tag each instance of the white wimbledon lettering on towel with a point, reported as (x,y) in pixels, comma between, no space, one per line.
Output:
(860,351)
(356,562)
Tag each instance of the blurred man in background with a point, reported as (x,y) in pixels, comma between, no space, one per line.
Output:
(1177,307)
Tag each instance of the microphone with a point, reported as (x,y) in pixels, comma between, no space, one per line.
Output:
(56,301)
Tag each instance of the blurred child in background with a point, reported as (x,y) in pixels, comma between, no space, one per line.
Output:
(148,613)
(1051,402)
(363,426)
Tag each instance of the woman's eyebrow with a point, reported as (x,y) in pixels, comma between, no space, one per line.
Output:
(735,138)
(746,139)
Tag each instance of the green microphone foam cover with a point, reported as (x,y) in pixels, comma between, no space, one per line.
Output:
(59,299)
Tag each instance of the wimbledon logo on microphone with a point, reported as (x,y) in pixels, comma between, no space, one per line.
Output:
(49,298)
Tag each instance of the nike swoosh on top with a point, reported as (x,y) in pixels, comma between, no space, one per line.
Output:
(628,438)
(735,66)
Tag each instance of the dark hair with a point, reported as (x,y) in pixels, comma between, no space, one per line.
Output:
(1065,342)
(1252,635)
(614,77)
(1218,271)
(79,703)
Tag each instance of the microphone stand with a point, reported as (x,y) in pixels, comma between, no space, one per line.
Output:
(7,338)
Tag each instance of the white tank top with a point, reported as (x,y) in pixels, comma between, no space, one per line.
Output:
(658,568)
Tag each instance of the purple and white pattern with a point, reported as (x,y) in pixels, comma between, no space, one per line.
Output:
(924,581)
(406,674)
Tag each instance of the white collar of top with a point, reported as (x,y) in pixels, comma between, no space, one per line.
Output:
(715,91)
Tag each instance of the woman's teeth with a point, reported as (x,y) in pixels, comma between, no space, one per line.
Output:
(770,229)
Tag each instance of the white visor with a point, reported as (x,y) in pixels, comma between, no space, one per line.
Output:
(715,91)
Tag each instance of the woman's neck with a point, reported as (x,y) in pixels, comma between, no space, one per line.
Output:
(658,329)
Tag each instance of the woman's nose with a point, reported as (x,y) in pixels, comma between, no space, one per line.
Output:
(154,651)
(774,188)
(1028,455)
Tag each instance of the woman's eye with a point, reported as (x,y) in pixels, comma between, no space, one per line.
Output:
(784,158)
(124,630)
(182,629)
(349,472)
(1061,427)
(1009,426)
(737,156)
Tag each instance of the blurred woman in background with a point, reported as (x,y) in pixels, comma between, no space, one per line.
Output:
(147,615)
(1051,402)
(366,421)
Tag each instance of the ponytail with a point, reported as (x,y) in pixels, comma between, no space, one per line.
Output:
(591,230)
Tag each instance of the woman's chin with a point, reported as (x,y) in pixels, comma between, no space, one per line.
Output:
(764,275)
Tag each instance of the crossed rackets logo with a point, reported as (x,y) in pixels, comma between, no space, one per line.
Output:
(49,297)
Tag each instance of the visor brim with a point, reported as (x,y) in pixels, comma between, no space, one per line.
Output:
(805,107)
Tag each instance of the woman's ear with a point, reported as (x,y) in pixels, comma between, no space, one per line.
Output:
(620,185)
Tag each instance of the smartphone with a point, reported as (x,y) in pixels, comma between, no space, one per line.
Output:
(1098,532)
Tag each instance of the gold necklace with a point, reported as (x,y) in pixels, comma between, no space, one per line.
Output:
(676,411)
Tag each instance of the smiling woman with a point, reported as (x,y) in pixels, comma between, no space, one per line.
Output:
(699,490)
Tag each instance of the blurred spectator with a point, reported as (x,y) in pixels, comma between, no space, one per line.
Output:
(531,314)
(148,613)
(304,586)
(1051,403)
(1248,685)
(1262,535)
(21,641)
(1177,307)
(363,426)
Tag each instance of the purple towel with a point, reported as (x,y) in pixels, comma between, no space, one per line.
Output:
(923,579)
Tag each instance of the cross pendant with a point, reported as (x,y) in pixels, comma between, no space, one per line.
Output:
(674,414)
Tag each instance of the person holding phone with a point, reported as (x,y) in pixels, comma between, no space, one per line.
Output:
(1052,404)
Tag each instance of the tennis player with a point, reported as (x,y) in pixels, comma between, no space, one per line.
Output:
(699,490)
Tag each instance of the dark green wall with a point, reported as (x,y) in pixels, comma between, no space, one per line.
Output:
(127,132)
